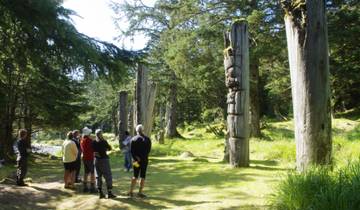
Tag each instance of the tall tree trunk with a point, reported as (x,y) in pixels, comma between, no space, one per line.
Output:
(139,96)
(144,100)
(171,112)
(307,40)
(160,135)
(131,119)
(254,100)
(28,122)
(123,116)
(6,131)
(236,62)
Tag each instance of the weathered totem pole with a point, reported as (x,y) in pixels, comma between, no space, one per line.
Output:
(307,41)
(144,100)
(131,119)
(123,121)
(236,63)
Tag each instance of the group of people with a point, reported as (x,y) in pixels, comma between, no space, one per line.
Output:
(96,160)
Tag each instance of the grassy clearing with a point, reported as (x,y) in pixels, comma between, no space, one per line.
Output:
(203,181)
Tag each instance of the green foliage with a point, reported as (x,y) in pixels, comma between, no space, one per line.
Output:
(43,60)
(344,53)
(320,188)
(213,115)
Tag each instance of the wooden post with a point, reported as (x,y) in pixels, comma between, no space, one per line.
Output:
(144,100)
(122,116)
(307,40)
(131,120)
(161,125)
(236,63)
(149,103)
(139,95)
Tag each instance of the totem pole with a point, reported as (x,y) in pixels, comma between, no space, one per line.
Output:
(123,121)
(236,63)
(145,93)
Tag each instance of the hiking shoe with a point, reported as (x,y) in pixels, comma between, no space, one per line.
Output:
(141,195)
(130,194)
(101,195)
(110,195)
(21,184)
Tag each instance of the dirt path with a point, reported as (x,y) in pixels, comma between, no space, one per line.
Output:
(52,195)
(34,196)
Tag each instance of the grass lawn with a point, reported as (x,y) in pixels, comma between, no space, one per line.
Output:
(176,182)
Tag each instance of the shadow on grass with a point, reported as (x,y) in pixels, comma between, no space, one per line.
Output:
(265,162)
(278,133)
(29,197)
(140,203)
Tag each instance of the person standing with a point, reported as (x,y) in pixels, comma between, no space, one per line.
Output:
(140,149)
(88,160)
(127,152)
(23,148)
(76,140)
(102,164)
(70,153)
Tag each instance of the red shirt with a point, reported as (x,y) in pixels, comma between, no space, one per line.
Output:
(87,149)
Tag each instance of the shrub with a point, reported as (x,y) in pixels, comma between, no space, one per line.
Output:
(319,188)
(212,115)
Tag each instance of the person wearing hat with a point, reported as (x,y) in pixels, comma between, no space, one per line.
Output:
(88,160)
(140,149)
(102,164)
(70,153)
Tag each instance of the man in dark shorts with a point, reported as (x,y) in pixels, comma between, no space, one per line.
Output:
(140,149)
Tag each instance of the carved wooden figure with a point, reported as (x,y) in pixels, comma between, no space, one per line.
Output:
(236,64)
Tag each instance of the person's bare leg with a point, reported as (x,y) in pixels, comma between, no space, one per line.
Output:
(73,177)
(132,186)
(92,183)
(66,179)
(141,185)
(85,189)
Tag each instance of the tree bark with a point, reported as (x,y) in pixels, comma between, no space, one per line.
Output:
(150,103)
(307,40)
(131,120)
(226,157)
(28,122)
(6,130)
(171,111)
(254,100)
(138,96)
(161,132)
(236,63)
(144,100)
(123,115)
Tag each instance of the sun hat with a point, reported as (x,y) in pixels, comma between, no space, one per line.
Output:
(86,131)
(98,131)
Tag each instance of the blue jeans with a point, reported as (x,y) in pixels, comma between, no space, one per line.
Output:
(128,160)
